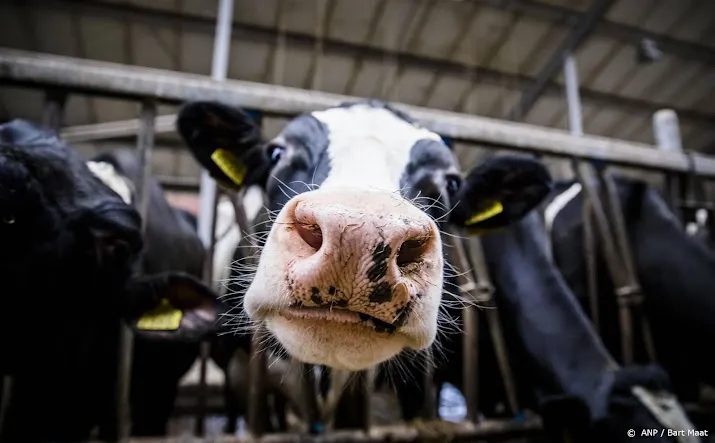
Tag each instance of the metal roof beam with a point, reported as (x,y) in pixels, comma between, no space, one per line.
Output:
(251,32)
(627,34)
(573,40)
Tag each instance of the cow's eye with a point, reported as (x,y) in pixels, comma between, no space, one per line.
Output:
(275,152)
(8,219)
(453,184)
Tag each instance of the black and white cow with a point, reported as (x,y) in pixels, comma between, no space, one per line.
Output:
(676,272)
(73,263)
(351,272)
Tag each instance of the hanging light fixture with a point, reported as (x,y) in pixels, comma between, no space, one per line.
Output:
(648,51)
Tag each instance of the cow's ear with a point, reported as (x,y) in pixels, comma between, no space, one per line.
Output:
(173,306)
(499,192)
(225,140)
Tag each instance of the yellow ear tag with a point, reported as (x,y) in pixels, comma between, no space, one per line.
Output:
(232,166)
(162,318)
(491,211)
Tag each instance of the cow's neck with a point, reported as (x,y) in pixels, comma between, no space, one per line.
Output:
(554,331)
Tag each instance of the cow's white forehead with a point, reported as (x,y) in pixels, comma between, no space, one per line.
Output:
(369,146)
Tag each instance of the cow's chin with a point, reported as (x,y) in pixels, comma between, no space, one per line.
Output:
(343,346)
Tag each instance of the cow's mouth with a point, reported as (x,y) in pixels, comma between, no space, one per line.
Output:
(337,315)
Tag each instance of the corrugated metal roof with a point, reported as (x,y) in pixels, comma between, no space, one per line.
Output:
(475,56)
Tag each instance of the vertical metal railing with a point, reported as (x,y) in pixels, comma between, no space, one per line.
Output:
(666,132)
(257,403)
(685,192)
(208,194)
(205,347)
(55,100)
(145,145)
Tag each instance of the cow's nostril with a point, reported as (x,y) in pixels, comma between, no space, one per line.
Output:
(311,234)
(411,251)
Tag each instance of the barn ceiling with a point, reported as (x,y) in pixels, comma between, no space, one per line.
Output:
(497,58)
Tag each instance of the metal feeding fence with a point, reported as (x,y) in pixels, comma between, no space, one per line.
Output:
(60,76)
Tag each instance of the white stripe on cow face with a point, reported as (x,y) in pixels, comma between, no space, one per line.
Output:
(368,147)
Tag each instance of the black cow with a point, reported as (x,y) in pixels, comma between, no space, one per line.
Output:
(73,263)
(561,368)
(676,272)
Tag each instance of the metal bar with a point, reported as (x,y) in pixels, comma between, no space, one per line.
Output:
(496,330)
(623,244)
(205,347)
(485,289)
(667,130)
(578,35)
(183,184)
(470,336)
(116,129)
(470,371)
(208,195)
(256,417)
(309,395)
(575,114)
(145,143)
(573,99)
(31,69)
(219,67)
(591,265)
(587,177)
(54,106)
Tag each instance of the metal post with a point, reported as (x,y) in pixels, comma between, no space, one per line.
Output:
(573,99)
(207,191)
(666,132)
(145,143)
(256,417)
(205,347)
(470,337)
(309,395)
(470,371)
(55,100)
(219,68)
(353,407)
